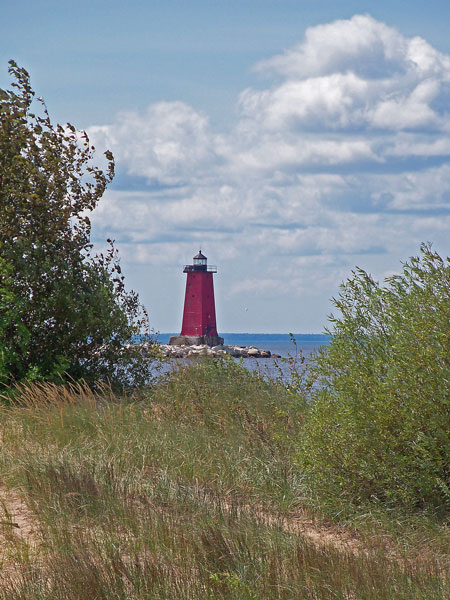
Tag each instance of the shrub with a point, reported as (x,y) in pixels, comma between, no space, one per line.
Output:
(378,425)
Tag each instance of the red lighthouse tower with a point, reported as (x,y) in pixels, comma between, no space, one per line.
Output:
(199,315)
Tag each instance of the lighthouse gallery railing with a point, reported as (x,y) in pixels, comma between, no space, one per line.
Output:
(200,269)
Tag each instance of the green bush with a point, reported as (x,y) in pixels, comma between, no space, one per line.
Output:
(378,425)
(63,310)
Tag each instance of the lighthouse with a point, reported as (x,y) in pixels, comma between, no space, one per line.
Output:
(199,314)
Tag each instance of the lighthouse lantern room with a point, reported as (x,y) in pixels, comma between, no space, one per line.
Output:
(199,314)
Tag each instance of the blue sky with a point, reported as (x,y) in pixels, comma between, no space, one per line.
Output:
(292,140)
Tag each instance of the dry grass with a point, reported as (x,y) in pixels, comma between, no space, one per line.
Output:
(190,490)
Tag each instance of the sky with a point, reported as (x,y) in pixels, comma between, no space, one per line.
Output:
(291,140)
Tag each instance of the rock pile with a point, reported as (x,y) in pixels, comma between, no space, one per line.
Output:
(215,351)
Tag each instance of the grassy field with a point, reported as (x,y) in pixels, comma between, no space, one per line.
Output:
(190,490)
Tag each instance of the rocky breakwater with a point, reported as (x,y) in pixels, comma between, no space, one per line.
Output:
(215,351)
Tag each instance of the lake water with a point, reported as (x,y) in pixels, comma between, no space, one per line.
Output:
(277,343)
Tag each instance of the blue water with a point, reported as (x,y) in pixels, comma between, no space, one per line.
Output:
(278,343)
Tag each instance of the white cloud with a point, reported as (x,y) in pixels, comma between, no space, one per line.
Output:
(334,101)
(428,189)
(408,111)
(333,47)
(342,157)
(406,145)
(354,73)
(170,142)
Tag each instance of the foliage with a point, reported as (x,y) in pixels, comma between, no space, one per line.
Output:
(62,310)
(13,333)
(378,426)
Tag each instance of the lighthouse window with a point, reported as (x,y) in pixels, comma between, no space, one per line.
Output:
(200,261)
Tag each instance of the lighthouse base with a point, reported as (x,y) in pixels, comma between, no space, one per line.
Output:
(191,340)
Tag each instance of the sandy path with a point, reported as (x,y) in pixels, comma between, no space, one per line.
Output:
(15,515)
(18,536)
(17,525)
(16,521)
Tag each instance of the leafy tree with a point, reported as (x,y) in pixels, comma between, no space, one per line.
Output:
(62,309)
(378,427)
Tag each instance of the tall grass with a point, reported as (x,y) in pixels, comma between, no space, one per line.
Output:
(188,490)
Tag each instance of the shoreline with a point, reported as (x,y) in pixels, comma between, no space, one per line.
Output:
(185,351)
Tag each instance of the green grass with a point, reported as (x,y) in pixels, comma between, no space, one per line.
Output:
(190,490)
